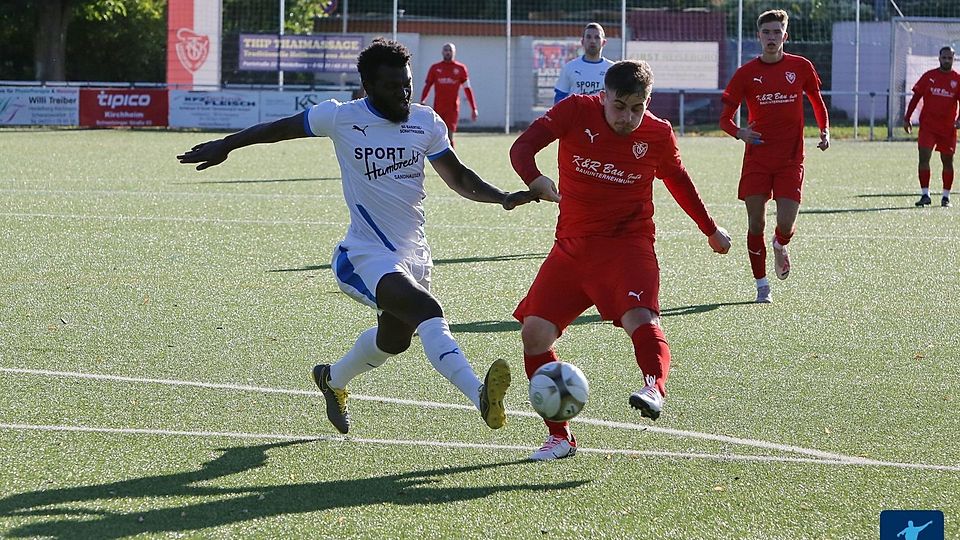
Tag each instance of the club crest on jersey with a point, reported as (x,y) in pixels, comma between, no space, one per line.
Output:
(791,76)
(640,149)
(953,84)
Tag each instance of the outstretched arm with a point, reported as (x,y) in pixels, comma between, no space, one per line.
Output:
(469,185)
(215,152)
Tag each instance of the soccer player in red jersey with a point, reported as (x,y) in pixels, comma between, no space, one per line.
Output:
(773,86)
(611,151)
(447,77)
(940,91)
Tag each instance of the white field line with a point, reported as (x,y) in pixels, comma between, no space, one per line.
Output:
(469,446)
(481,226)
(819,455)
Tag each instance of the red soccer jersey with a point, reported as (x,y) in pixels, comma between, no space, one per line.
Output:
(446,78)
(774,95)
(606,179)
(940,92)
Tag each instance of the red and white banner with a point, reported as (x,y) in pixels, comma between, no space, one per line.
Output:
(116,107)
(193,44)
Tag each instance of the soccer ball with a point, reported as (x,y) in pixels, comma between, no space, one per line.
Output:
(558,391)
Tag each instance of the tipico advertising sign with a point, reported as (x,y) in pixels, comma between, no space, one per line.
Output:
(115,107)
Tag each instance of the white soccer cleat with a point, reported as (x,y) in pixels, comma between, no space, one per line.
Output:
(764,296)
(648,400)
(555,448)
(781,260)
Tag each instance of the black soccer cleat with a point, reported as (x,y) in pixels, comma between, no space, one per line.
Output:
(924,201)
(336,399)
(945,202)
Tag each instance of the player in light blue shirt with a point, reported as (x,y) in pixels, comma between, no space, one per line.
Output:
(382,144)
(584,75)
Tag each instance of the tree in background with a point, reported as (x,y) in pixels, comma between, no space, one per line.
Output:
(107,40)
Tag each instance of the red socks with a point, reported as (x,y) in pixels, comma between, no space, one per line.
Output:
(530,364)
(782,239)
(947,180)
(757,250)
(924,175)
(653,353)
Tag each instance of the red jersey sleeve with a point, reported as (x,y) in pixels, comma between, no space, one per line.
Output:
(683,190)
(543,131)
(812,89)
(427,84)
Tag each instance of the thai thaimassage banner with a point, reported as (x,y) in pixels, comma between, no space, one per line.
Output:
(335,53)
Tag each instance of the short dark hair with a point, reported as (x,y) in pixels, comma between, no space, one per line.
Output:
(597,27)
(628,77)
(381,52)
(774,15)
(946,48)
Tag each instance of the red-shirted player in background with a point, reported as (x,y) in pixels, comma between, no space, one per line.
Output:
(940,91)
(773,85)
(611,151)
(446,77)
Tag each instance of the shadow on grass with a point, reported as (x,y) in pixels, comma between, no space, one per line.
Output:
(853,210)
(886,195)
(436,262)
(481,327)
(263,181)
(200,503)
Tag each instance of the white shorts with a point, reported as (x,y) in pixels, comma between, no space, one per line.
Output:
(358,270)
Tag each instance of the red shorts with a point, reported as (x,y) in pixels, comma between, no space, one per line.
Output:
(614,274)
(944,142)
(450,118)
(782,181)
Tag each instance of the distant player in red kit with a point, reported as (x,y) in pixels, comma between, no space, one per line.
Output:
(773,86)
(611,151)
(940,91)
(447,77)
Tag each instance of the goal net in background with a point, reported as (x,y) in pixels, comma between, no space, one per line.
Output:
(914,49)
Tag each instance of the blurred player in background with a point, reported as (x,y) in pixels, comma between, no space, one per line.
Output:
(584,75)
(611,151)
(773,85)
(446,77)
(940,91)
(384,261)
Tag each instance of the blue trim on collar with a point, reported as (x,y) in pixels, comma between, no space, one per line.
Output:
(373,109)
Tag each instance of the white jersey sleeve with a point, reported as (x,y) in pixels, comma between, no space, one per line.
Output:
(319,121)
(564,83)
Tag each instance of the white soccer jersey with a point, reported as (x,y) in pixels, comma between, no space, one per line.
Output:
(582,77)
(382,167)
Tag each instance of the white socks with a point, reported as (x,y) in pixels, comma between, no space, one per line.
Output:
(364,356)
(444,353)
(762,282)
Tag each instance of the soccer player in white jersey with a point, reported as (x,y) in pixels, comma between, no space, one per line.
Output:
(382,143)
(584,75)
